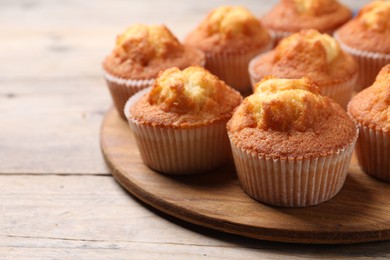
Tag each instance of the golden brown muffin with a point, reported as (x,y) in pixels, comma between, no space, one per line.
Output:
(230,36)
(290,16)
(313,55)
(288,136)
(189,98)
(367,38)
(141,52)
(180,125)
(371,110)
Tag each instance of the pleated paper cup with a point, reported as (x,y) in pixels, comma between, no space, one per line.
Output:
(340,92)
(373,151)
(233,68)
(253,76)
(292,182)
(122,89)
(370,63)
(180,151)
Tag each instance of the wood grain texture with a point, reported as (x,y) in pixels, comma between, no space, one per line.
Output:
(70,38)
(57,199)
(67,217)
(359,213)
(52,126)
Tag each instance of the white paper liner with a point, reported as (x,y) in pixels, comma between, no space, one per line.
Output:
(233,69)
(292,182)
(339,92)
(122,89)
(370,63)
(373,152)
(180,151)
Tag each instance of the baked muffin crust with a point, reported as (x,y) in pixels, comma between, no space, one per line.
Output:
(229,29)
(370,29)
(295,15)
(142,51)
(371,106)
(311,54)
(189,98)
(290,119)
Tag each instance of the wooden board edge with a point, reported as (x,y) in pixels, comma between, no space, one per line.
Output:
(262,233)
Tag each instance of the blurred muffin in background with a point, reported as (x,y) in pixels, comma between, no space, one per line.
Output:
(367,38)
(230,36)
(140,53)
(291,16)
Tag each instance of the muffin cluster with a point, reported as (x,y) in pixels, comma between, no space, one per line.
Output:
(292,16)
(292,137)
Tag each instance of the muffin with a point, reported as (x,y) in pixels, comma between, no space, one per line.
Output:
(230,37)
(371,110)
(291,146)
(180,125)
(313,55)
(141,52)
(367,38)
(291,16)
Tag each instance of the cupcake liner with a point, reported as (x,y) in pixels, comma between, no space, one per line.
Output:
(253,77)
(233,68)
(373,152)
(339,92)
(292,182)
(122,89)
(180,151)
(370,63)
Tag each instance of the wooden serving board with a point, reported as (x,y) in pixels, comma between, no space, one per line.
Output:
(359,213)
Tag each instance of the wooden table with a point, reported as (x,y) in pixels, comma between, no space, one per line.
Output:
(57,196)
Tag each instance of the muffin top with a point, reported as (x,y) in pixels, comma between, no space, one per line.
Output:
(370,29)
(307,53)
(295,15)
(229,29)
(143,50)
(186,98)
(288,118)
(371,106)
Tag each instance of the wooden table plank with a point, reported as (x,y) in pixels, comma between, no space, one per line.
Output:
(52,126)
(47,216)
(70,38)
(52,100)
